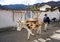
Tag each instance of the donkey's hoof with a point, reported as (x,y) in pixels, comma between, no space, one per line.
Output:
(32,34)
(28,39)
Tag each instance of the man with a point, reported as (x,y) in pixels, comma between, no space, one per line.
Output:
(46,21)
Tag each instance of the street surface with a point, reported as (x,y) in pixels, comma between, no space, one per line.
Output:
(51,35)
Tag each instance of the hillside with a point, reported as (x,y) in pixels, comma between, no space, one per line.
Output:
(24,7)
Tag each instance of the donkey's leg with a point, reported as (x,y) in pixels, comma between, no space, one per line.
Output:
(29,32)
(39,29)
(19,28)
(28,35)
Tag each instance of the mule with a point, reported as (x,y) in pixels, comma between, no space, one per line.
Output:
(29,25)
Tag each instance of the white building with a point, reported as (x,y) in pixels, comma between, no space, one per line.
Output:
(51,14)
(8,18)
(43,7)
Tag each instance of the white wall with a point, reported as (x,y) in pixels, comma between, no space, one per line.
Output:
(44,7)
(17,16)
(41,16)
(50,14)
(59,15)
(5,18)
(55,14)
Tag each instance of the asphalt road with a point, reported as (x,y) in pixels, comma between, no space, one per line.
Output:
(51,35)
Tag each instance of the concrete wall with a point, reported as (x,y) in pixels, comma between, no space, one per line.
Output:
(55,14)
(44,7)
(18,16)
(6,17)
(50,14)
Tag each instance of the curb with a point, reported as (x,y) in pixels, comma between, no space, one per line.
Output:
(7,29)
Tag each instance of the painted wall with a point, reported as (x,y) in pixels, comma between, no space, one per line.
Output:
(44,7)
(18,16)
(6,17)
(50,14)
(55,14)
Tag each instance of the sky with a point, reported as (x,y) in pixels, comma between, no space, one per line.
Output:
(31,2)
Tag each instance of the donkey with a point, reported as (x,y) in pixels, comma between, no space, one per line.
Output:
(30,25)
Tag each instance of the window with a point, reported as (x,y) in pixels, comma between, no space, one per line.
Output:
(27,15)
